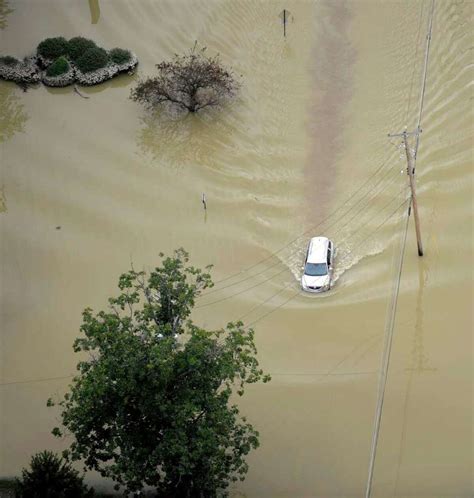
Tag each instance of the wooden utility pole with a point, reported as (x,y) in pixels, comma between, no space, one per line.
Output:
(411,176)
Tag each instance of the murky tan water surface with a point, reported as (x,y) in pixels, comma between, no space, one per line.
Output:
(89,185)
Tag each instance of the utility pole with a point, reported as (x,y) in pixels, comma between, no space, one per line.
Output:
(411,176)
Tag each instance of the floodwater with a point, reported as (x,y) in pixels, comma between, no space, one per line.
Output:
(89,185)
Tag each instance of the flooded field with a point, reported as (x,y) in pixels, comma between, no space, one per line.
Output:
(89,185)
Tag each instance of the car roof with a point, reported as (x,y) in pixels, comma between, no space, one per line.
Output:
(318,249)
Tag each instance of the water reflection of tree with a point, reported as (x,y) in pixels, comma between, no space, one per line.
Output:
(181,140)
(94,7)
(12,113)
(4,11)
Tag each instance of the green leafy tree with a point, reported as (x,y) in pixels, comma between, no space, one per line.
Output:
(151,406)
(50,477)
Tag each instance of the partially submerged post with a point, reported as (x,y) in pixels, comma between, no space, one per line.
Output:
(204,201)
(284,16)
(411,176)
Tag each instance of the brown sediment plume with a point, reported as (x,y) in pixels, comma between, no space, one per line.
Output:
(333,58)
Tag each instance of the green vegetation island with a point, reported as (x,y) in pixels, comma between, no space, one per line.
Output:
(59,62)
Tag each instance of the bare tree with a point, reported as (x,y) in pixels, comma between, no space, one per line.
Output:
(191,81)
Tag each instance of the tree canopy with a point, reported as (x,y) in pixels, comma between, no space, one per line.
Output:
(192,82)
(151,403)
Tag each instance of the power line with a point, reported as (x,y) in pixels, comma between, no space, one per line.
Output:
(299,291)
(425,73)
(417,43)
(263,260)
(252,275)
(379,226)
(278,262)
(244,290)
(364,206)
(275,309)
(29,381)
(365,222)
(241,317)
(391,323)
(385,364)
(287,269)
(48,379)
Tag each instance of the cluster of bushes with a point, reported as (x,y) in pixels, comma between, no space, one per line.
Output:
(82,52)
(61,62)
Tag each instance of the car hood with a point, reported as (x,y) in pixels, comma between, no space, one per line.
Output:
(308,281)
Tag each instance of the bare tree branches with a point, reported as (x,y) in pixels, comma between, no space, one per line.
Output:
(192,82)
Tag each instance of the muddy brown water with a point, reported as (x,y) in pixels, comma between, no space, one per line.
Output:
(283,162)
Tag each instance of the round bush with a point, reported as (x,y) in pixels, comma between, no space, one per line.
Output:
(119,55)
(51,476)
(92,59)
(58,67)
(8,60)
(52,48)
(78,46)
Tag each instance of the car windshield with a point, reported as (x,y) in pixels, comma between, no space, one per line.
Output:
(316,269)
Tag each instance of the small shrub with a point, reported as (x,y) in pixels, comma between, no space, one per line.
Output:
(78,46)
(8,60)
(119,55)
(58,67)
(49,477)
(92,59)
(52,48)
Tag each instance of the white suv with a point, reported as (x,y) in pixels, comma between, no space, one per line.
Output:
(317,271)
